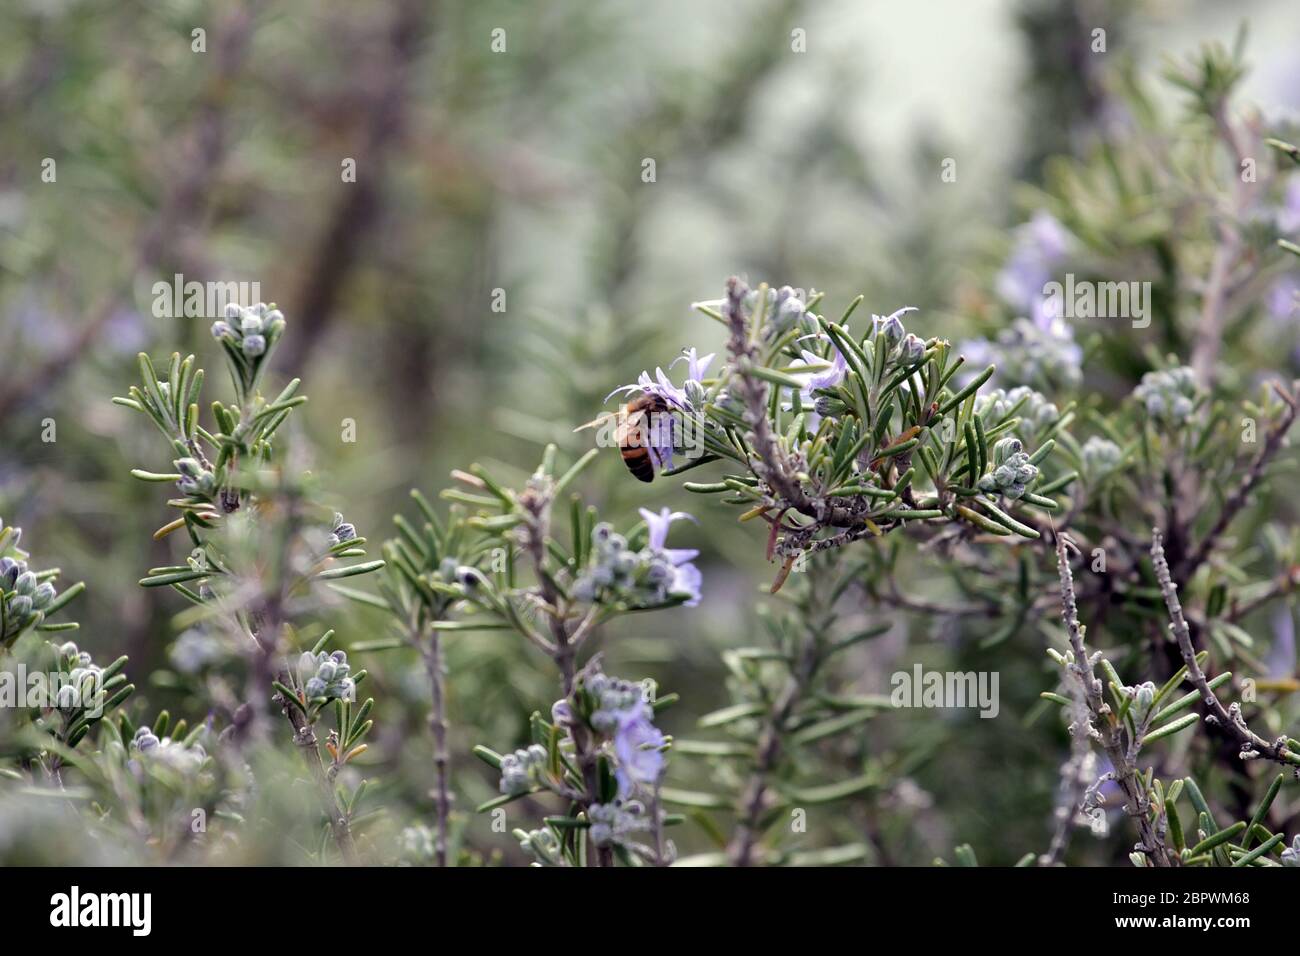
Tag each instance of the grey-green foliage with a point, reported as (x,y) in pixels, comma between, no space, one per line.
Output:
(500,559)
(239,504)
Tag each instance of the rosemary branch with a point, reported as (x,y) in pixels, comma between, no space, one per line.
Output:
(1103,726)
(1228,719)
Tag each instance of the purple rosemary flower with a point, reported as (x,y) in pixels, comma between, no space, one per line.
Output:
(1288,214)
(1283,297)
(695,365)
(686,576)
(891,324)
(661,385)
(1282,656)
(1041,244)
(658,524)
(821,375)
(637,743)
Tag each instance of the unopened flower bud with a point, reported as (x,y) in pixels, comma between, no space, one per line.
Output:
(913,350)
(696,394)
(43,596)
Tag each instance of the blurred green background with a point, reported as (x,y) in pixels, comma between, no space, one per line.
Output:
(516,176)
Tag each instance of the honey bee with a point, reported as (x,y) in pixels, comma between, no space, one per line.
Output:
(633,433)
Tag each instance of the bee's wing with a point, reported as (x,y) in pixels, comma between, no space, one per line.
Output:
(595,422)
(629,424)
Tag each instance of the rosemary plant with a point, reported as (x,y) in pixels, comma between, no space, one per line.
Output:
(497,561)
(259,544)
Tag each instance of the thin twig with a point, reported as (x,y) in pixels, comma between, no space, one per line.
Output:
(433,664)
(536,504)
(1103,725)
(742,849)
(1240,495)
(304,737)
(1228,719)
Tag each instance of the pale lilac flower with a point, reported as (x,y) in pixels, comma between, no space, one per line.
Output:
(661,385)
(637,743)
(819,374)
(1282,297)
(687,580)
(658,525)
(695,365)
(1288,215)
(1048,235)
(686,576)
(1282,657)
(891,324)
(1041,244)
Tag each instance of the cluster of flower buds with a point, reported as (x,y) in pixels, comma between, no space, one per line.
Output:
(521,770)
(195,479)
(24,596)
(1044,355)
(252,329)
(622,711)
(1012,470)
(543,846)
(1100,457)
(1144,696)
(904,348)
(785,310)
(326,675)
(341,530)
(173,753)
(612,822)
(416,845)
(85,679)
(1169,395)
(640,578)
(1035,412)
